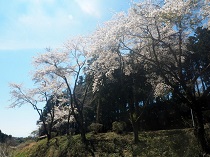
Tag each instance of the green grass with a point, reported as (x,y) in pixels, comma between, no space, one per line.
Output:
(173,143)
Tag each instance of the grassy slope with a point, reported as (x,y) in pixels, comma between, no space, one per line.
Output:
(173,143)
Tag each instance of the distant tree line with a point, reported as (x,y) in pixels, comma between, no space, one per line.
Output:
(4,137)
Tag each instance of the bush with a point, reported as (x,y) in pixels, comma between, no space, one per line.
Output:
(95,127)
(118,127)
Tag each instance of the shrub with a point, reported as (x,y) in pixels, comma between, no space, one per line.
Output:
(95,127)
(118,127)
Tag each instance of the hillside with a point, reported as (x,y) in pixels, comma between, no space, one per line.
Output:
(174,143)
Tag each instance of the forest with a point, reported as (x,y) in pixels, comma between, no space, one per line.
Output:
(146,69)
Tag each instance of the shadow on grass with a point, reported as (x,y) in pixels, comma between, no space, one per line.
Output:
(173,143)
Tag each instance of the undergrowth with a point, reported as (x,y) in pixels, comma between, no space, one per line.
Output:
(174,143)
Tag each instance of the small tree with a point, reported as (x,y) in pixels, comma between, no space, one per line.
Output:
(118,127)
(36,97)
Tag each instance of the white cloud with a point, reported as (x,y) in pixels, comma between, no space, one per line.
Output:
(44,23)
(91,7)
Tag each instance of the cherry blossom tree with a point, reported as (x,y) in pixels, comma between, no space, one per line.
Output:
(156,33)
(37,97)
(67,65)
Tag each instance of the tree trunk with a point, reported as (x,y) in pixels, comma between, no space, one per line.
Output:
(135,132)
(134,121)
(46,130)
(80,121)
(98,111)
(82,132)
(200,131)
(48,137)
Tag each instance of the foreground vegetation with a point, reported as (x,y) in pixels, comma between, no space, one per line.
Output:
(174,143)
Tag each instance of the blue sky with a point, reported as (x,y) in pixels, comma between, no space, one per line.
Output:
(28,27)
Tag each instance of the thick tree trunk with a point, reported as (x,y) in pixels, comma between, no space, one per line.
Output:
(200,131)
